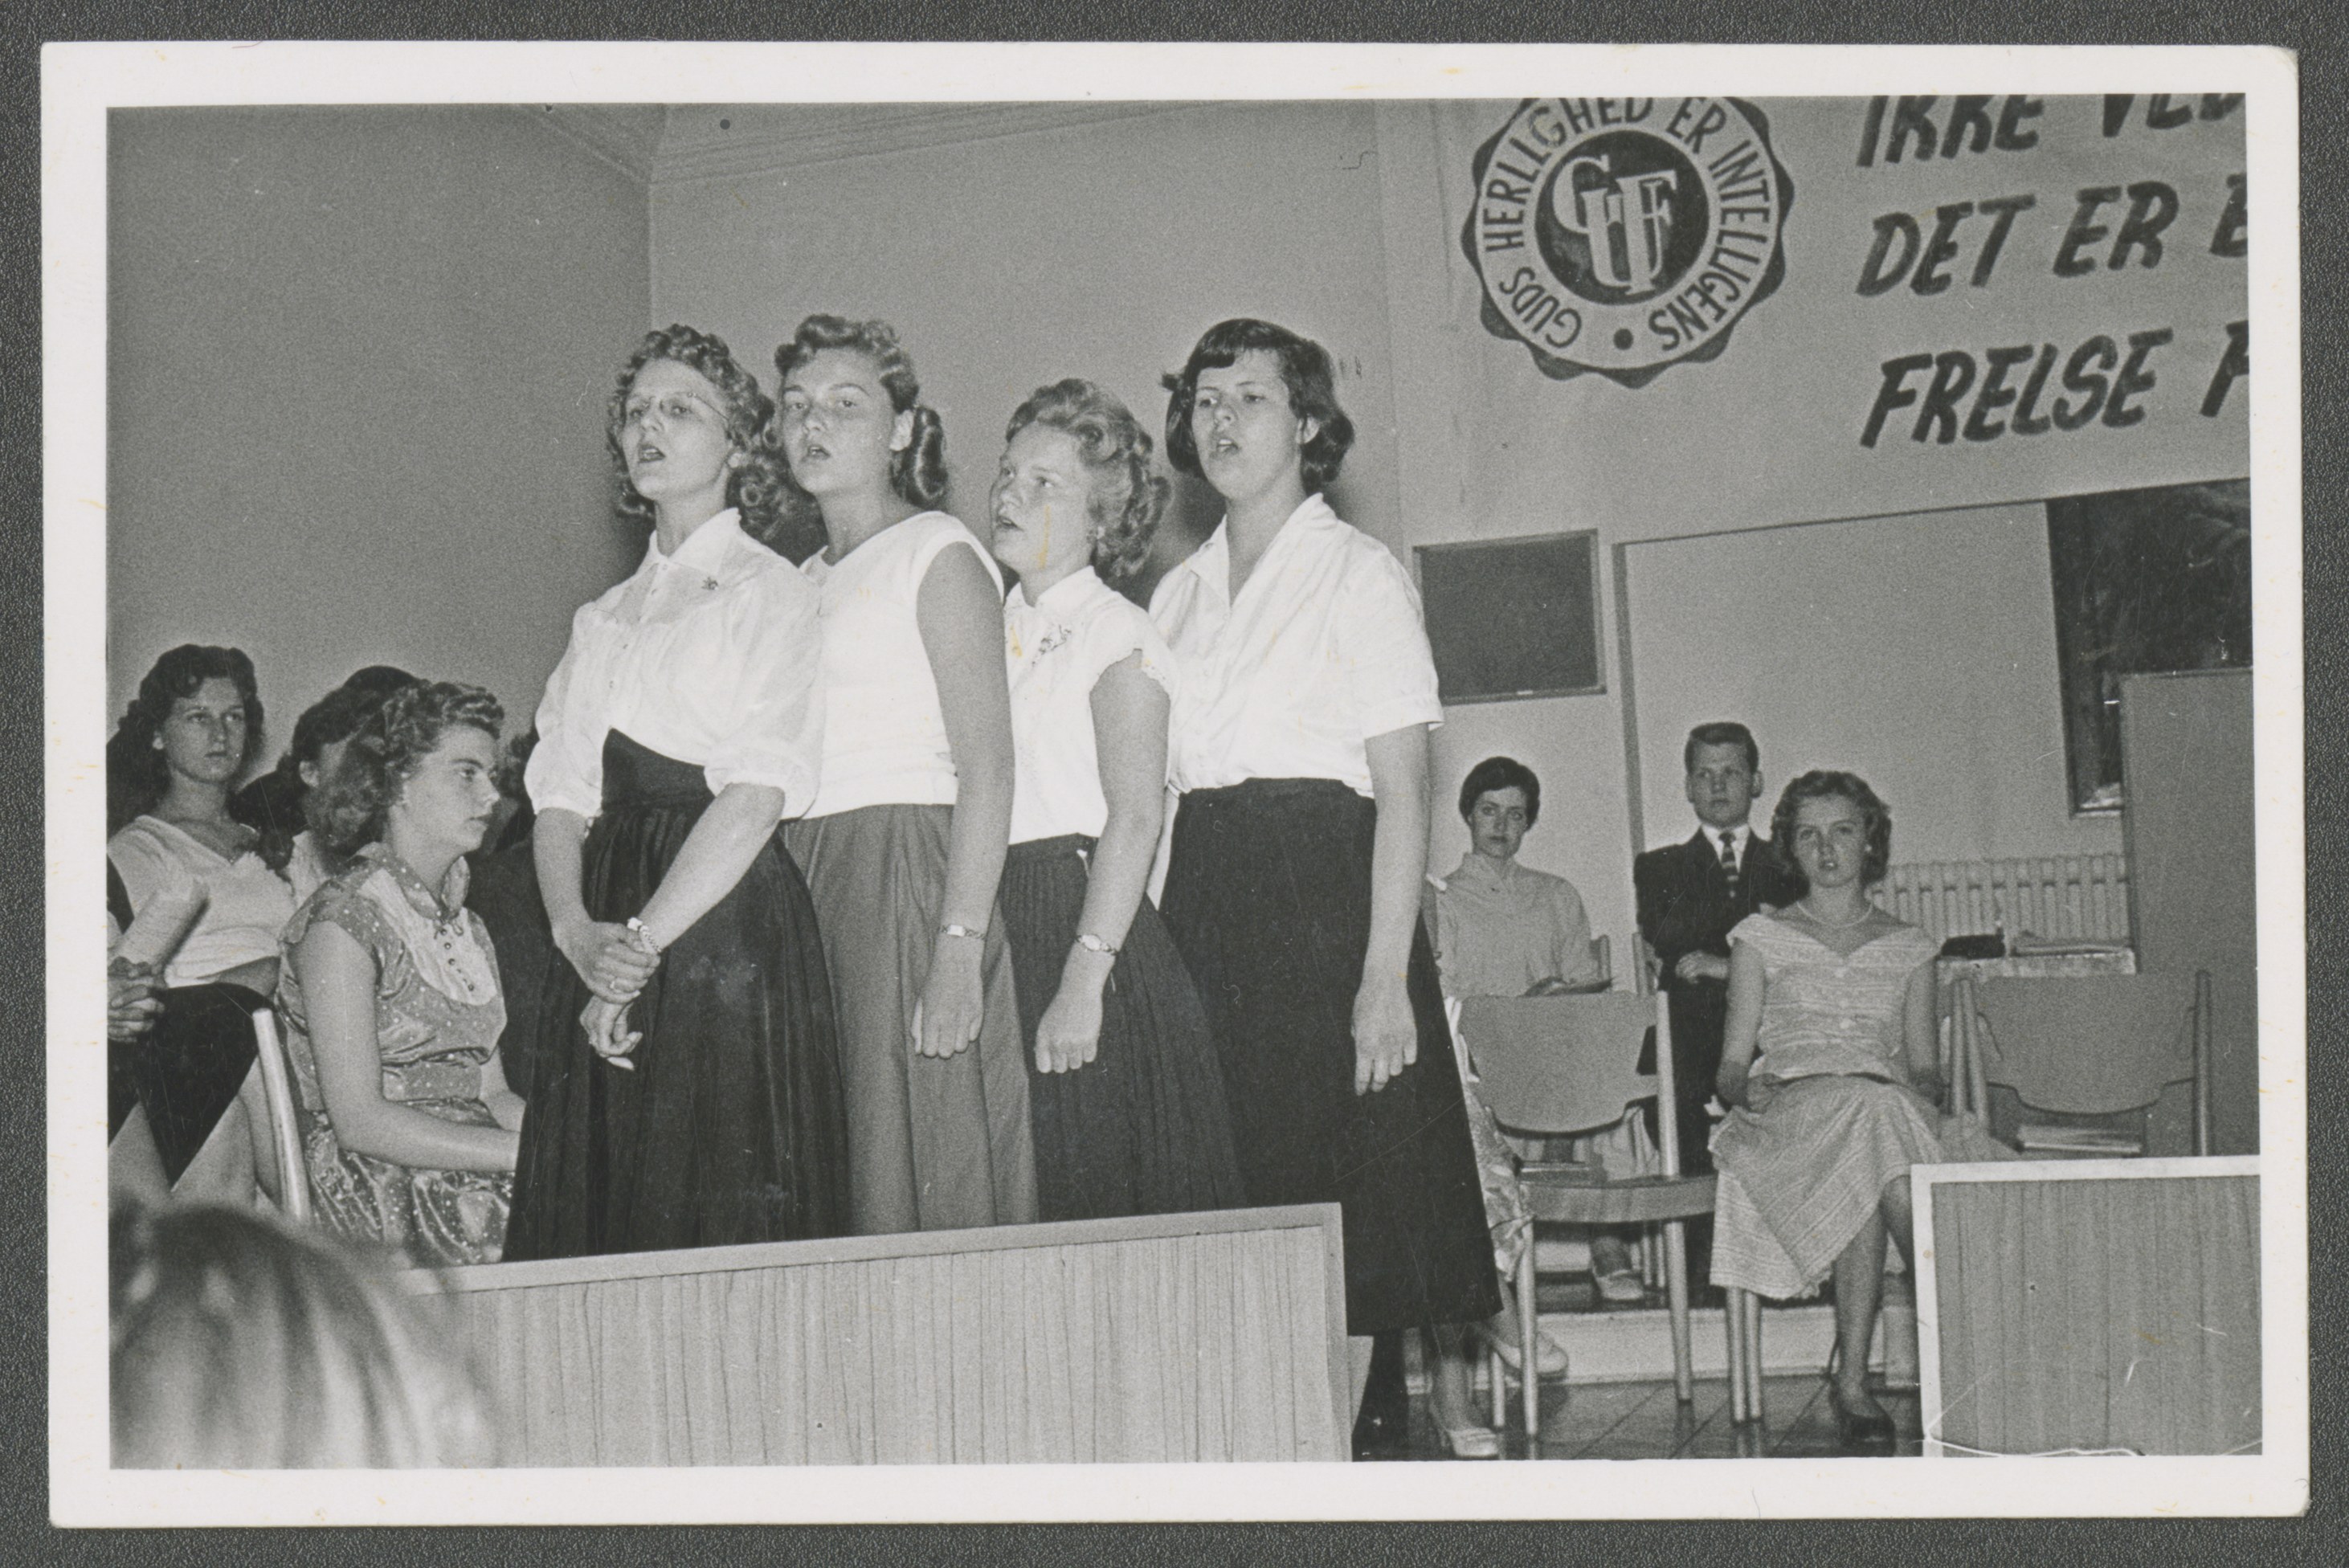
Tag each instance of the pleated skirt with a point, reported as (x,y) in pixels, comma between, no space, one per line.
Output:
(1142,1128)
(1800,1176)
(1268,901)
(730,1129)
(935,1143)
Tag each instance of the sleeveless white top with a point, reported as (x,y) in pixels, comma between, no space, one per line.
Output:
(885,737)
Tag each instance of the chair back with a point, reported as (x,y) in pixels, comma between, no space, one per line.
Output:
(285,1124)
(2088,1044)
(1602,959)
(1556,1066)
(1647,971)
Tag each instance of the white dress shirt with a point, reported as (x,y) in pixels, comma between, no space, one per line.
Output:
(884,734)
(1323,649)
(1056,650)
(709,656)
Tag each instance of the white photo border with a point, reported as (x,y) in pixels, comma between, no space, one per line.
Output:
(81,82)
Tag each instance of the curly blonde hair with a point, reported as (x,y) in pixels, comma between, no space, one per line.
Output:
(1127,492)
(348,806)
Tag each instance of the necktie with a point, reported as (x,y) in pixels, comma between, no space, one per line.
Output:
(1729,860)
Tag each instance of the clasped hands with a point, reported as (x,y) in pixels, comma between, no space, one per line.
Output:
(131,1004)
(617,962)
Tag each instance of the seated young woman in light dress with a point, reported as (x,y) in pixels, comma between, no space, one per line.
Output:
(174,1120)
(391,1001)
(1835,995)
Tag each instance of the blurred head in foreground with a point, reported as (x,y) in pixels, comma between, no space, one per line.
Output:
(239,1344)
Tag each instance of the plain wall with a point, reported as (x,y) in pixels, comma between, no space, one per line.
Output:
(356,371)
(1101,250)
(1937,684)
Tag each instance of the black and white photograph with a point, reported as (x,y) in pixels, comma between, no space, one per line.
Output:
(1115,782)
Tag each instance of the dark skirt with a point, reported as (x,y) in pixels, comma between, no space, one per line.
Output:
(1269,899)
(1142,1129)
(730,1127)
(505,893)
(186,1069)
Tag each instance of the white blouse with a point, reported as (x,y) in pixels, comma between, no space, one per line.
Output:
(885,736)
(1057,650)
(1323,649)
(709,656)
(246,903)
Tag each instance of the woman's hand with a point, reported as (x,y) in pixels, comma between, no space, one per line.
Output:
(507,1107)
(608,957)
(1386,1034)
(1761,1088)
(1069,1036)
(947,1019)
(607,1024)
(131,1004)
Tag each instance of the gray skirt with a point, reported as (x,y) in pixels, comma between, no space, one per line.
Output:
(933,1144)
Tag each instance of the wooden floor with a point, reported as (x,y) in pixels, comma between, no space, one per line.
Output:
(1644,1421)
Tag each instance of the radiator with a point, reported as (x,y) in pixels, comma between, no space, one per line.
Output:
(2067,896)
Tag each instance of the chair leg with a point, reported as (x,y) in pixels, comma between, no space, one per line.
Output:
(1753,1356)
(1529,1364)
(1733,1317)
(1676,1297)
(1496,1374)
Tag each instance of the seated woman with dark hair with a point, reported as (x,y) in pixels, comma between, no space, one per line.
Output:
(200,903)
(391,1001)
(1836,996)
(274,804)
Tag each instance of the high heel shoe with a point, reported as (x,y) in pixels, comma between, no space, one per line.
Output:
(1473,1441)
(1549,1356)
(1868,1431)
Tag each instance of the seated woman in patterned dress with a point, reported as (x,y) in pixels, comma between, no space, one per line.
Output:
(392,999)
(1837,995)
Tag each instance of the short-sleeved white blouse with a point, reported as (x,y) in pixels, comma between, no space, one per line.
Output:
(709,656)
(1323,648)
(884,734)
(1056,650)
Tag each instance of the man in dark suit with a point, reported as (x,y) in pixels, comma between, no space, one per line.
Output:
(1689,895)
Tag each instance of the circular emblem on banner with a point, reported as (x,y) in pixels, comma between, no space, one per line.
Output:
(1622,235)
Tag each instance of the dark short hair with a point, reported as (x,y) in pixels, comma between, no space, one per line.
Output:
(135,770)
(918,474)
(1500,773)
(1822,784)
(349,807)
(756,488)
(276,805)
(380,679)
(1304,369)
(1126,493)
(1721,732)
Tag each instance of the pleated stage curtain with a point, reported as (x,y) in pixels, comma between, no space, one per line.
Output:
(2087,1311)
(1194,1336)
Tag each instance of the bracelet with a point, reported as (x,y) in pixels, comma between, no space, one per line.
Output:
(644,935)
(976,933)
(1092,944)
